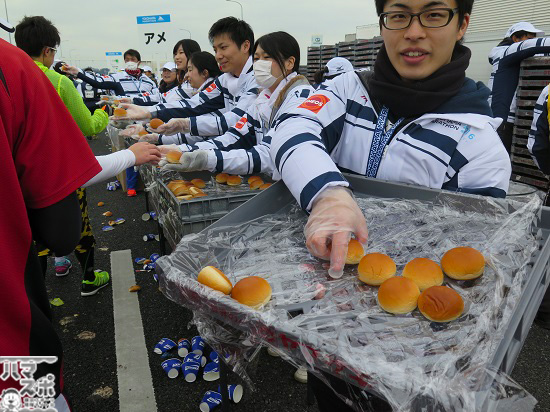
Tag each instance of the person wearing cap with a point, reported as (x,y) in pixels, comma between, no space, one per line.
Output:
(335,67)
(518,44)
(148,71)
(169,77)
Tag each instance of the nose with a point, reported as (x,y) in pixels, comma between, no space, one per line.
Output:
(219,56)
(415,31)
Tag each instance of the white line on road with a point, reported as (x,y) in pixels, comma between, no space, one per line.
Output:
(135,385)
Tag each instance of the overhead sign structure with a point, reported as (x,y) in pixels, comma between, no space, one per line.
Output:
(114,60)
(155,34)
(316,40)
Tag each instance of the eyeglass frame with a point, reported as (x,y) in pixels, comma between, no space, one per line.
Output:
(52,48)
(452,13)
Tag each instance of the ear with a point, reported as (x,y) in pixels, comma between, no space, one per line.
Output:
(245,47)
(289,63)
(205,73)
(463,27)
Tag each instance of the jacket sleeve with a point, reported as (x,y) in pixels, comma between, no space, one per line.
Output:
(101,82)
(240,136)
(244,161)
(89,124)
(301,140)
(539,137)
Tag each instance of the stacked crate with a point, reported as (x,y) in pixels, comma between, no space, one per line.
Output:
(534,76)
(313,62)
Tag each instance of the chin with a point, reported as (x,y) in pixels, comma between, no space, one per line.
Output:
(414,75)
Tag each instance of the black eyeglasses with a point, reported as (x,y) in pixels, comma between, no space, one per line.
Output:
(432,19)
(52,49)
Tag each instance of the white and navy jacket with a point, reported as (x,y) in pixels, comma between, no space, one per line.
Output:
(245,147)
(122,83)
(456,148)
(217,107)
(183,91)
(506,60)
(539,136)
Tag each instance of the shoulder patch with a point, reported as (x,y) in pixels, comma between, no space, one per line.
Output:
(211,88)
(240,124)
(315,103)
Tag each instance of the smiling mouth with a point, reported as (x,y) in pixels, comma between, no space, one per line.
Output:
(414,54)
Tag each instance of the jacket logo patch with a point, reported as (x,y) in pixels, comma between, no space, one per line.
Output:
(240,124)
(315,103)
(211,88)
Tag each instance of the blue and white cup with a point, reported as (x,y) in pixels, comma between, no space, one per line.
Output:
(201,360)
(156,277)
(235,392)
(164,345)
(184,347)
(140,260)
(211,372)
(154,257)
(190,369)
(172,367)
(111,186)
(149,266)
(117,184)
(150,237)
(197,345)
(210,400)
(214,357)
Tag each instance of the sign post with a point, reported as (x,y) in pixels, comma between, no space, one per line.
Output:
(155,34)
(316,40)
(114,61)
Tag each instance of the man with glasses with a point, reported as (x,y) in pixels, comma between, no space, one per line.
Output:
(416,119)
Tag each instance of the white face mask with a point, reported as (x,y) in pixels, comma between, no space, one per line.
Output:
(262,73)
(131,65)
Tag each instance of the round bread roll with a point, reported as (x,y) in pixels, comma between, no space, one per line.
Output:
(265,186)
(199,183)
(463,263)
(222,178)
(173,156)
(215,279)
(398,295)
(252,291)
(355,252)
(440,304)
(424,272)
(173,184)
(154,123)
(181,190)
(255,184)
(252,178)
(234,180)
(142,133)
(195,190)
(375,268)
(119,112)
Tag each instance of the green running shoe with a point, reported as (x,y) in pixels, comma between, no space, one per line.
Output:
(101,280)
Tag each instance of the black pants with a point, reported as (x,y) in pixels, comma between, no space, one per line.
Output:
(506,133)
(328,401)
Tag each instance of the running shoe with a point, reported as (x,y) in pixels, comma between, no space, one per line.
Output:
(101,280)
(63,267)
(131,192)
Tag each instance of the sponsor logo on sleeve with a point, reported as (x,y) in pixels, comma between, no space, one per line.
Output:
(240,124)
(211,88)
(315,103)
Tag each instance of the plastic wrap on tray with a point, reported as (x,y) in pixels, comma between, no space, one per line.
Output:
(407,359)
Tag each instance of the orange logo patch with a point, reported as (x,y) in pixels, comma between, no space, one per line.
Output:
(315,103)
(211,88)
(240,124)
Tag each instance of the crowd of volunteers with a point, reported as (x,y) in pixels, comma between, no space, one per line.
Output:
(242,109)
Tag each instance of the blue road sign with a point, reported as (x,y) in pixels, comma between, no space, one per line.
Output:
(157,18)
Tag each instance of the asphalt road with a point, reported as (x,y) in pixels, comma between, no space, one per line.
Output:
(90,358)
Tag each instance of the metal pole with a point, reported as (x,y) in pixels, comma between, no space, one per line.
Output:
(233,1)
(188,31)
(7,18)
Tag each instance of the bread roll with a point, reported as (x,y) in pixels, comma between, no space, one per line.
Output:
(398,295)
(215,279)
(154,123)
(355,252)
(463,263)
(440,304)
(173,156)
(199,183)
(200,195)
(181,190)
(195,190)
(222,178)
(253,178)
(255,184)
(234,180)
(185,197)
(375,268)
(120,112)
(142,133)
(265,186)
(424,272)
(252,291)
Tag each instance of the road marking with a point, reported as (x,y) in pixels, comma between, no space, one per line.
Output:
(135,384)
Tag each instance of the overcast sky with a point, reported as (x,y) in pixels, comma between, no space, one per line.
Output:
(90,28)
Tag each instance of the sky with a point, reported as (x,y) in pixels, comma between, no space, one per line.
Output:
(89,29)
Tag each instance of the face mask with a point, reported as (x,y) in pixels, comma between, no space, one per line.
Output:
(131,66)
(262,73)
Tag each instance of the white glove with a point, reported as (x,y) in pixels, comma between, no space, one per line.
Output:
(174,126)
(165,148)
(150,138)
(191,162)
(132,130)
(133,112)
(334,217)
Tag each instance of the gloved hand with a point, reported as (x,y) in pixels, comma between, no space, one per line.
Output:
(150,138)
(71,70)
(126,99)
(173,126)
(145,153)
(334,217)
(190,162)
(134,112)
(132,130)
(165,148)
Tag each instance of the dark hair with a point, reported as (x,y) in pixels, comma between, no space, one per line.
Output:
(280,46)
(189,47)
(205,61)
(238,31)
(320,75)
(133,53)
(33,33)
(88,69)
(520,34)
(57,67)
(464,7)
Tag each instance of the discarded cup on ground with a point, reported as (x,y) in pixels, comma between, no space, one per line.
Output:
(156,277)
(150,236)
(117,184)
(149,215)
(201,360)
(154,257)
(120,221)
(140,260)
(190,369)
(107,228)
(197,345)
(211,372)
(164,345)
(172,367)
(149,266)
(184,347)
(210,400)
(235,392)
(111,186)
(214,357)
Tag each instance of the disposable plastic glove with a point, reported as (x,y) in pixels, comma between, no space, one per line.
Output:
(174,126)
(132,130)
(150,138)
(190,162)
(165,148)
(72,70)
(134,112)
(334,217)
